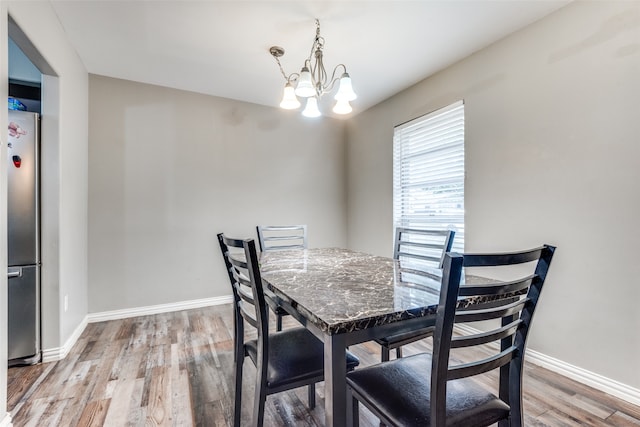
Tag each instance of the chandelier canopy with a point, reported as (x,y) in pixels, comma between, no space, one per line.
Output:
(313,81)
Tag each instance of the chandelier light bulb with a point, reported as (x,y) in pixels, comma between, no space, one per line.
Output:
(311,110)
(289,99)
(342,107)
(305,87)
(345,90)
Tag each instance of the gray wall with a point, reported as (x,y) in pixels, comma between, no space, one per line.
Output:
(552,156)
(170,169)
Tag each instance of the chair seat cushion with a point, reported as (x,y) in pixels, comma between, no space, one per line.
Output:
(295,355)
(400,390)
(405,338)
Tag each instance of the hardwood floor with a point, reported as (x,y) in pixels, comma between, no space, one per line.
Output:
(176,369)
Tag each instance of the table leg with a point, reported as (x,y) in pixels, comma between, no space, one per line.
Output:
(335,384)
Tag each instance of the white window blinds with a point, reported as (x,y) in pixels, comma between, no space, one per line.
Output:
(428,172)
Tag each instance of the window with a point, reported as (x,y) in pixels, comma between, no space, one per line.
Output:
(428,172)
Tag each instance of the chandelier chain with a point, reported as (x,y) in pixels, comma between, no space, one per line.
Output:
(290,78)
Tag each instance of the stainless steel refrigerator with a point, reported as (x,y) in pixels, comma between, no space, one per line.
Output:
(23,232)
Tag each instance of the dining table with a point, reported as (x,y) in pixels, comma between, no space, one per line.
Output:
(345,297)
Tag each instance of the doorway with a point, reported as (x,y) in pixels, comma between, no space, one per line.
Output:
(34,83)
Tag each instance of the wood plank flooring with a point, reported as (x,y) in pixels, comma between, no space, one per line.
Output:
(175,369)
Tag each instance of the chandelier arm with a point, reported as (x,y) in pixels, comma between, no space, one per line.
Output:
(293,77)
(313,49)
(334,79)
(335,69)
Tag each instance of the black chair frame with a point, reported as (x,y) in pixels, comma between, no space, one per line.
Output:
(281,237)
(512,302)
(397,341)
(297,345)
(286,237)
(399,244)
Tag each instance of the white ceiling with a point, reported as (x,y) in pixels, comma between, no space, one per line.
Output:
(221,47)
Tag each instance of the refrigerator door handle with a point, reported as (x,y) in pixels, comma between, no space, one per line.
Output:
(17,273)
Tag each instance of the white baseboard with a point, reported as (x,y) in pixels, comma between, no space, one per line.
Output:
(59,353)
(6,421)
(160,308)
(597,381)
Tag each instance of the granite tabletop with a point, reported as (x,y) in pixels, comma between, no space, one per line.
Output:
(340,290)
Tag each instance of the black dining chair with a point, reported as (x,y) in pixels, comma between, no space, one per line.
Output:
(278,238)
(282,237)
(433,390)
(417,249)
(284,360)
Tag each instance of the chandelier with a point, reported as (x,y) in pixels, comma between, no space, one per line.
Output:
(313,81)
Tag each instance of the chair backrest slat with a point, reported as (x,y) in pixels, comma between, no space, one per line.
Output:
(245,293)
(237,262)
(285,247)
(411,275)
(241,259)
(244,281)
(497,288)
(278,238)
(248,314)
(507,258)
(497,311)
(480,367)
(419,256)
(510,304)
(282,237)
(426,245)
(485,337)
(422,244)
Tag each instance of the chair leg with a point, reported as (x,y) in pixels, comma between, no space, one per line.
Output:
(353,414)
(238,391)
(312,396)
(398,352)
(385,353)
(515,395)
(278,322)
(259,402)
